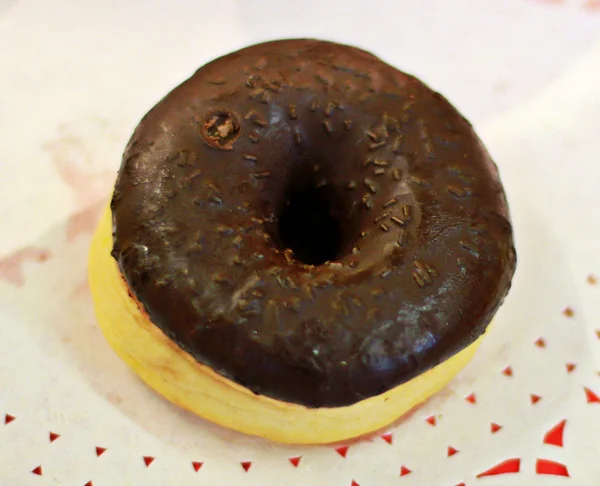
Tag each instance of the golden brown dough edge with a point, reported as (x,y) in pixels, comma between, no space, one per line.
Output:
(177,376)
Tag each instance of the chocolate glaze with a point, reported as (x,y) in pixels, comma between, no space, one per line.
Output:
(426,251)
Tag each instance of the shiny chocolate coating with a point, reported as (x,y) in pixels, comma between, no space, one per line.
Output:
(425,254)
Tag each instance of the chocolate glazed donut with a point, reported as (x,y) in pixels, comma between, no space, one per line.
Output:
(312,223)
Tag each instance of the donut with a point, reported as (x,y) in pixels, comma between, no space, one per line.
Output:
(303,243)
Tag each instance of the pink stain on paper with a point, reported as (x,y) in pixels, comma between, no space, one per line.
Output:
(83,223)
(69,155)
(11,267)
(592,5)
(81,290)
(587,5)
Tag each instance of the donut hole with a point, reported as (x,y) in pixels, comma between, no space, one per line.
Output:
(308,225)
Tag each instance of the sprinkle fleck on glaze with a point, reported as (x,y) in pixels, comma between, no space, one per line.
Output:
(292,112)
(237,241)
(295,304)
(255,118)
(418,181)
(262,175)
(385,273)
(376,145)
(329,109)
(373,136)
(297,136)
(398,221)
(250,114)
(274,86)
(370,185)
(402,238)
(423,274)
(406,211)
(391,202)
(397,144)
(382,216)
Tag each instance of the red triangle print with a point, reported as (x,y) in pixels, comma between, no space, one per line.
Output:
(544,466)
(387,437)
(342,450)
(541,343)
(89,483)
(495,427)
(591,396)
(197,465)
(431,420)
(404,471)
(570,367)
(461,484)
(100,451)
(452,451)
(510,466)
(507,371)
(9,418)
(53,436)
(471,398)
(246,465)
(295,460)
(534,398)
(37,470)
(555,435)
(148,460)
(354,483)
